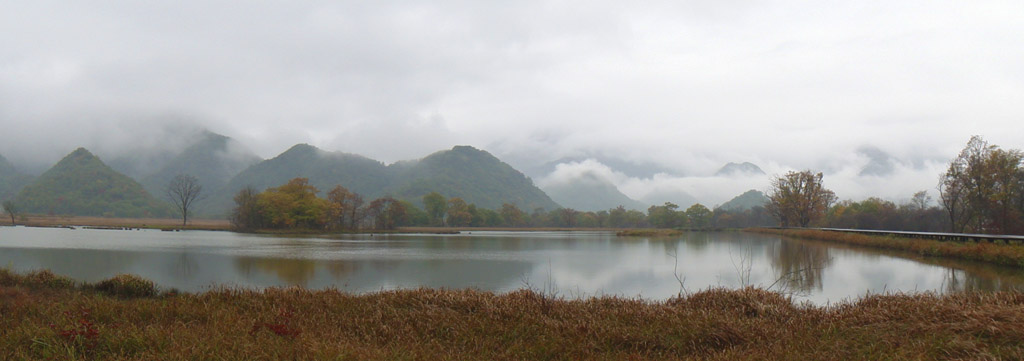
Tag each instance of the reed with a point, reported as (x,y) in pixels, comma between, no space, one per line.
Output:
(997,253)
(38,321)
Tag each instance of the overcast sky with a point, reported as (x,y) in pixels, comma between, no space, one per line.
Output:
(688,85)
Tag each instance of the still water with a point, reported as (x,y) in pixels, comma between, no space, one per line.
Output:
(571,264)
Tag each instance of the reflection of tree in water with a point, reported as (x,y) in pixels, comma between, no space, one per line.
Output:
(799,266)
(955,280)
(291,270)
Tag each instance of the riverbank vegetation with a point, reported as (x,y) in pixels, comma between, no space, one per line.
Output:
(43,316)
(1003,254)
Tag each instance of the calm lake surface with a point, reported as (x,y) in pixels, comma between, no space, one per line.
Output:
(573,264)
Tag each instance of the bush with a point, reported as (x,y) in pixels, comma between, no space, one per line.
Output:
(37,279)
(127,285)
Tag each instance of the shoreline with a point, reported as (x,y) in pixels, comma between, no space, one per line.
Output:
(1001,254)
(48,316)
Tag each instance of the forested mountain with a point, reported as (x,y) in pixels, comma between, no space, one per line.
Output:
(465,172)
(11,181)
(324,170)
(747,200)
(474,175)
(213,160)
(591,194)
(81,184)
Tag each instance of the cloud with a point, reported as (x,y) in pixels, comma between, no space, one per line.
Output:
(686,85)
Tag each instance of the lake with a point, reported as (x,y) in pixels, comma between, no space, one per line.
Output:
(569,264)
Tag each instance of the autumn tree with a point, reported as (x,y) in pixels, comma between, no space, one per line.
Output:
(294,205)
(665,216)
(344,208)
(512,215)
(183,191)
(458,214)
(799,198)
(982,190)
(386,213)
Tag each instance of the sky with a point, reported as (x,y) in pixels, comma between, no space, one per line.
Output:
(684,85)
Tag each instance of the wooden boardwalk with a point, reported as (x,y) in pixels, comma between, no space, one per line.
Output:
(953,237)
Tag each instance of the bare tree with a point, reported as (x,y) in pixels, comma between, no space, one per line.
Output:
(184,190)
(11,209)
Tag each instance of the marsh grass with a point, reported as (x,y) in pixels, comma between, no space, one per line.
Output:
(83,323)
(996,253)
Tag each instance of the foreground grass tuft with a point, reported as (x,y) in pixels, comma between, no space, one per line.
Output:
(747,324)
(1002,254)
(126,285)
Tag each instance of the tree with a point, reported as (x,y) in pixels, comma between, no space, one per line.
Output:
(11,209)
(798,198)
(458,214)
(436,205)
(246,215)
(184,190)
(512,215)
(983,189)
(698,216)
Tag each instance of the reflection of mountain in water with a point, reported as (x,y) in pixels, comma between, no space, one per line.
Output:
(799,266)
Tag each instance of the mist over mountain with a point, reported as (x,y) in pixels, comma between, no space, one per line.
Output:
(465,172)
(11,180)
(81,184)
(587,185)
(213,159)
(739,169)
(747,200)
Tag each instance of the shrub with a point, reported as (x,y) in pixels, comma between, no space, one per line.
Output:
(126,285)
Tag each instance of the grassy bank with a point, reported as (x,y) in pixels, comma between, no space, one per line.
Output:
(105,222)
(43,316)
(1003,254)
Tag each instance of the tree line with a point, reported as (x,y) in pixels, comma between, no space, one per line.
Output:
(982,191)
(296,205)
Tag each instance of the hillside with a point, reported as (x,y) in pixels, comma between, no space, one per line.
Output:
(474,175)
(747,200)
(213,159)
(81,184)
(591,194)
(324,170)
(11,181)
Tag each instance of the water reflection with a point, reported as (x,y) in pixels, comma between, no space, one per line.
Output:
(799,266)
(577,263)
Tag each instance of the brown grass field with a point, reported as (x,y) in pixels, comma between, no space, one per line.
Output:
(60,221)
(997,253)
(43,316)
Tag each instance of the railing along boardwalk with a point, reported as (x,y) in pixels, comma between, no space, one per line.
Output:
(954,237)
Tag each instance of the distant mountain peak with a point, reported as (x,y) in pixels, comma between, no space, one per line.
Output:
(745,168)
(747,200)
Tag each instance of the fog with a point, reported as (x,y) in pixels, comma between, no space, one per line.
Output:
(876,94)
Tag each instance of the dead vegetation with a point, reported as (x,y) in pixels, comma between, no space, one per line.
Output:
(42,318)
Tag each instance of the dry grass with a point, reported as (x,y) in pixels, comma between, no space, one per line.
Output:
(82,323)
(648,232)
(997,253)
(57,221)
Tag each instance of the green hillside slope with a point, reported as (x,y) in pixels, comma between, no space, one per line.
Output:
(81,184)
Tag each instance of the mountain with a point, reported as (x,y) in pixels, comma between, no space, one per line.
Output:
(11,180)
(81,184)
(747,200)
(213,160)
(324,170)
(474,175)
(471,174)
(879,163)
(590,193)
(734,169)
